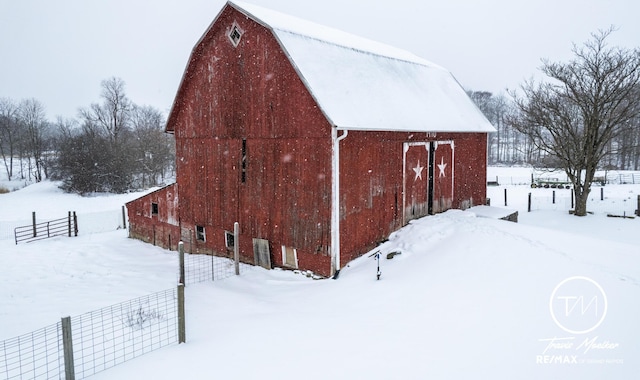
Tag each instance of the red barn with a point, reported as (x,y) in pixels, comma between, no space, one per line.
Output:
(319,143)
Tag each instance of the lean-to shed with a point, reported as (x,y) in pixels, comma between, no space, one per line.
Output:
(319,143)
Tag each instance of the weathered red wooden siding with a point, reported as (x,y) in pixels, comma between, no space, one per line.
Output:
(161,229)
(470,170)
(371,184)
(252,92)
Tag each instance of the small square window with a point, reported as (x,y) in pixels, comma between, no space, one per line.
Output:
(235,34)
(200,234)
(229,240)
(154,209)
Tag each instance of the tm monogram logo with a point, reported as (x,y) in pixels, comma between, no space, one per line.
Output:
(578,305)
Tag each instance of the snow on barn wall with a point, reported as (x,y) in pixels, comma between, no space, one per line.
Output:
(255,123)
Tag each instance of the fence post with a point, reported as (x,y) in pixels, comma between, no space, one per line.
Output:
(124,218)
(602,193)
(236,247)
(75,224)
(69,222)
(638,206)
(572,195)
(181,254)
(529,203)
(33,220)
(553,197)
(182,333)
(505,196)
(67,347)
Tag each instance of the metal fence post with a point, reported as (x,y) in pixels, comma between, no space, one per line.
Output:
(181,254)
(33,220)
(236,247)
(67,346)
(124,218)
(182,333)
(505,196)
(529,203)
(553,197)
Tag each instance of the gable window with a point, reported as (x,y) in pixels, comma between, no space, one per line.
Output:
(154,208)
(200,234)
(235,34)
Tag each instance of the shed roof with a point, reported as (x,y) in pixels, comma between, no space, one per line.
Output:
(361,84)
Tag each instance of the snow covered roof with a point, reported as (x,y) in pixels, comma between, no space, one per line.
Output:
(361,84)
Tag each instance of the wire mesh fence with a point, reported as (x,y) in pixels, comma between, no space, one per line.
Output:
(37,355)
(100,339)
(201,267)
(113,335)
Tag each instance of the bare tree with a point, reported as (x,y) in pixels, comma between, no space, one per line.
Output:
(9,133)
(154,149)
(33,118)
(112,117)
(588,102)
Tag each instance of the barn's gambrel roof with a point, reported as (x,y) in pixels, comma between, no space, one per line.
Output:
(361,84)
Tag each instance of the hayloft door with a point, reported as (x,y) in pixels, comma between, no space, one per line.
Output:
(415,180)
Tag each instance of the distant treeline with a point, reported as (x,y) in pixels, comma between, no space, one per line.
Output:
(112,146)
(508,146)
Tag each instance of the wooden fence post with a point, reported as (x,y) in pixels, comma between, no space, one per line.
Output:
(553,197)
(124,218)
(69,222)
(75,224)
(33,220)
(182,330)
(67,347)
(505,196)
(602,193)
(572,195)
(529,203)
(181,254)
(236,247)
(638,206)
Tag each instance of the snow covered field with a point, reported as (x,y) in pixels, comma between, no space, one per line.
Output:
(469,297)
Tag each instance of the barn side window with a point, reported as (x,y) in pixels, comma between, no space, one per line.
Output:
(235,34)
(243,175)
(200,234)
(154,209)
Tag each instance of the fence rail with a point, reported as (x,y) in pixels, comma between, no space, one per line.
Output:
(100,339)
(44,230)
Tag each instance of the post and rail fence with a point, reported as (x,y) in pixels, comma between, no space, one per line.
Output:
(44,230)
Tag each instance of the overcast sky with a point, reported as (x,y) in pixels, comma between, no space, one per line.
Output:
(59,51)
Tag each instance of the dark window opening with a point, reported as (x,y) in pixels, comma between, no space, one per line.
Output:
(243,175)
(200,235)
(229,240)
(154,209)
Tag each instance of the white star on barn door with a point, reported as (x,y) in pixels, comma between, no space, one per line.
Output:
(442,166)
(418,170)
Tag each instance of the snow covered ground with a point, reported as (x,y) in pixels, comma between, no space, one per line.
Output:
(468,297)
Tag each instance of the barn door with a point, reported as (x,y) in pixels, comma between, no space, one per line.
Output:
(415,180)
(443,177)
